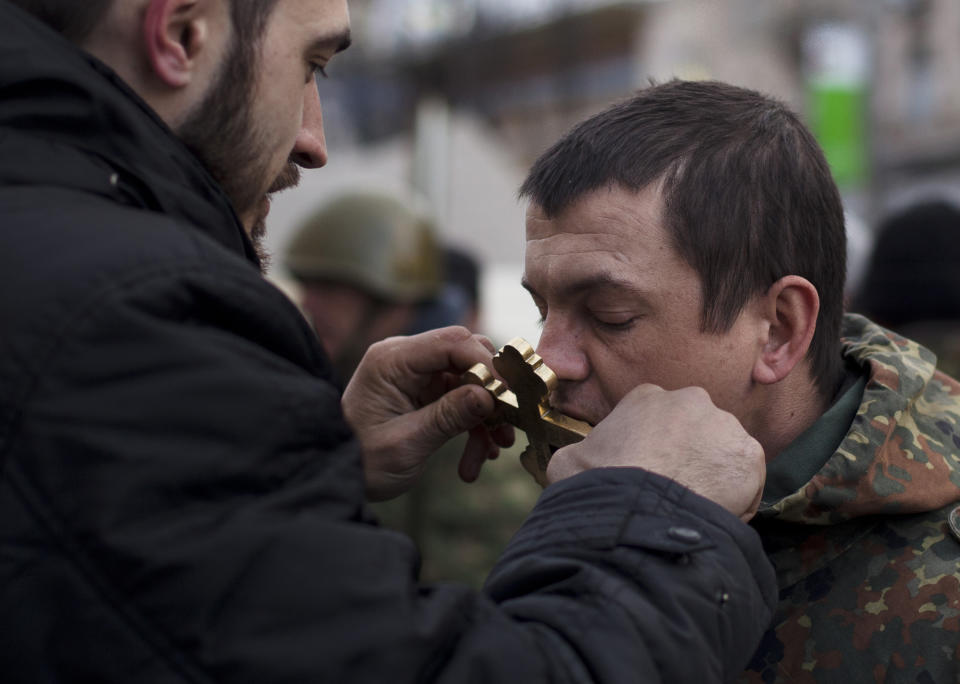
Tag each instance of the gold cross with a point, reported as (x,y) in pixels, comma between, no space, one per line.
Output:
(527,406)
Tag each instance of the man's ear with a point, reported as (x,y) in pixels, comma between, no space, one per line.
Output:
(790,307)
(175,33)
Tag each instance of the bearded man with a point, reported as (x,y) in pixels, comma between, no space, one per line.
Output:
(182,489)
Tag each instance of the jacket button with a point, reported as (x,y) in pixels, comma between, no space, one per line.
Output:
(684,534)
(954,521)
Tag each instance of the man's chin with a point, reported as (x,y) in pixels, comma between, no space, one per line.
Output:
(255,224)
(254,219)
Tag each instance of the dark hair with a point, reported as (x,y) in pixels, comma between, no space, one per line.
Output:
(460,268)
(748,196)
(914,269)
(73,19)
(249,21)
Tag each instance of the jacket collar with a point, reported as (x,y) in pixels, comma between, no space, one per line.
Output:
(901,453)
(67,120)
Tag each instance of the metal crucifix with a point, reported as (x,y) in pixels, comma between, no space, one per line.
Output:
(523,402)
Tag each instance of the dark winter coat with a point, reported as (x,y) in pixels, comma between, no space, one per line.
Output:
(181,500)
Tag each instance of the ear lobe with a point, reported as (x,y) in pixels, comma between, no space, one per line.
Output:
(792,304)
(175,32)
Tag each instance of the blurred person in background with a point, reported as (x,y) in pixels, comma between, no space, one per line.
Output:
(370,266)
(461,273)
(860,240)
(693,235)
(912,280)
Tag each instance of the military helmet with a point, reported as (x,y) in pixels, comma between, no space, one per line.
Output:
(371,241)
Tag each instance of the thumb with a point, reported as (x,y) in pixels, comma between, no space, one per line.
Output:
(455,412)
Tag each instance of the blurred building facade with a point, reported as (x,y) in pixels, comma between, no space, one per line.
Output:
(915,117)
(466,93)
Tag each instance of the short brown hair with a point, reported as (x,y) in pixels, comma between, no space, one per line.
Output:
(748,195)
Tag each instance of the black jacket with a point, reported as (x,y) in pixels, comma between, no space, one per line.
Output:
(180,499)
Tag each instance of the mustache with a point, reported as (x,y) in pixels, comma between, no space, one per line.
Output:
(561,398)
(288,178)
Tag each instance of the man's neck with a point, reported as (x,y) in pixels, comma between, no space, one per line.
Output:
(791,406)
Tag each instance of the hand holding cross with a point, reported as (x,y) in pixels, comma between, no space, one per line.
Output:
(523,402)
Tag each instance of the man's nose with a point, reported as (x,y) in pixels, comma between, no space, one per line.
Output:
(310,147)
(560,349)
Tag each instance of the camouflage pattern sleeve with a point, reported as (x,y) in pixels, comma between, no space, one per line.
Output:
(867,566)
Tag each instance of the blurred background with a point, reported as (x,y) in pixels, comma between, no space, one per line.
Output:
(451,101)
(444,104)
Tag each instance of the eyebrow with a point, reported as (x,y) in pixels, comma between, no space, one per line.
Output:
(341,40)
(603,279)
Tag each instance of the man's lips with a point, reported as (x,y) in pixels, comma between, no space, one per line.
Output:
(572,412)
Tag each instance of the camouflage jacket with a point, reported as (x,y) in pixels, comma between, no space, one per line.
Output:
(868,569)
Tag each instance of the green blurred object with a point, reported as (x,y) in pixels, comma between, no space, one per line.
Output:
(371,241)
(837,67)
(837,117)
(461,529)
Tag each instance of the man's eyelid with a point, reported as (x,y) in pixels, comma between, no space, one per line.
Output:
(616,299)
(319,66)
(614,318)
(319,58)
(537,302)
(615,310)
(537,299)
(541,307)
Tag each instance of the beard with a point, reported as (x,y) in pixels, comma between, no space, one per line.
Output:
(221,133)
(288,178)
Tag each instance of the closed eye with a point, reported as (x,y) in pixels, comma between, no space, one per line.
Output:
(316,72)
(614,324)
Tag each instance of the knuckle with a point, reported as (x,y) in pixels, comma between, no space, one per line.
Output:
(646,389)
(694,396)
(453,333)
(484,341)
(699,394)
(447,418)
(379,349)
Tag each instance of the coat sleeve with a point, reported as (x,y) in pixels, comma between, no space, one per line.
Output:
(183,502)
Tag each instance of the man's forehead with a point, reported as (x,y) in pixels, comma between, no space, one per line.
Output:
(582,279)
(557,242)
(606,211)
